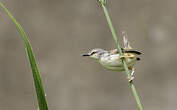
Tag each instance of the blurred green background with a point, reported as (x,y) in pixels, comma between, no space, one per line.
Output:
(61,30)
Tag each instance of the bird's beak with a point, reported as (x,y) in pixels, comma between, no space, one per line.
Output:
(85,54)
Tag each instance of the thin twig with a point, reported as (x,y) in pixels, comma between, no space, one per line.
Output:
(103,3)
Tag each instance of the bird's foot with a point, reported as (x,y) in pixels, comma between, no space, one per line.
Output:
(131,79)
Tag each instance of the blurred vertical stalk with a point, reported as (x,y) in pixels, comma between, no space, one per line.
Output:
(42,102)
(103,5)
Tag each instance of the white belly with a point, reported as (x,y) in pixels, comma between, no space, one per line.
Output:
(113,62)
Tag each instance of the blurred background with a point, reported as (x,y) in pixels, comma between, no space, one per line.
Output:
(61,30)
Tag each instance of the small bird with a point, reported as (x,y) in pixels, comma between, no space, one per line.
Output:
(113,61)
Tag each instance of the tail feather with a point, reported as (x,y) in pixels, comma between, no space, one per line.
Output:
(138,59)
(133,51)
(115,51)
(125,40)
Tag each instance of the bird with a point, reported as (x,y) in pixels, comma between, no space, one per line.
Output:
(112,60)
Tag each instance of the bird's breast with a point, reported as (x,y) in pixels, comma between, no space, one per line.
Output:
(113,62)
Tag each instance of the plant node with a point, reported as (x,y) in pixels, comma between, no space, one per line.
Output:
(102,2)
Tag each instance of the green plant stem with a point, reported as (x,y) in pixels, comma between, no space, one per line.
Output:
(102,2)
(35,71)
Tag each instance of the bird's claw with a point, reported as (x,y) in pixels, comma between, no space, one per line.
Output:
(122,57)
(131,79)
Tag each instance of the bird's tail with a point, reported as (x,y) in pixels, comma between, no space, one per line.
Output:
(125,40)
(132,51)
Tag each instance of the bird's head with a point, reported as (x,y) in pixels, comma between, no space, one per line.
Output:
(95,53)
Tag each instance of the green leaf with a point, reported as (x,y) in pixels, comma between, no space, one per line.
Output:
(35,71)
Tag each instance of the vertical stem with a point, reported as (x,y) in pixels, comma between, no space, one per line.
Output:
(115,38)
(103,2)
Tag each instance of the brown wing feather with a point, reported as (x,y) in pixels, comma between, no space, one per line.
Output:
(133,51)
(115,51)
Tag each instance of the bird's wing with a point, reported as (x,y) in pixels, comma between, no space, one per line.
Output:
(115,51)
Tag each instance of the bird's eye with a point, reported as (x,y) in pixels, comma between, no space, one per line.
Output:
(93,53)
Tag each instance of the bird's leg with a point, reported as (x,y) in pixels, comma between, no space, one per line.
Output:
(132,74)
(132,69)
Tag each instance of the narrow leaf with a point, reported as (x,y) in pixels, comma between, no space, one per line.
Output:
(36,74)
